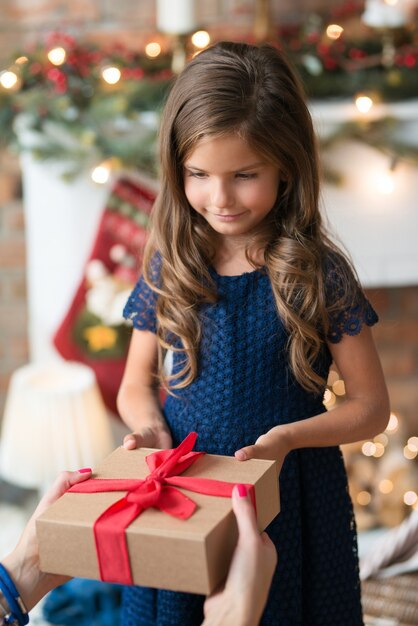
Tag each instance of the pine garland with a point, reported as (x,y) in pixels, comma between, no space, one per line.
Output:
(69,113)
(354,62)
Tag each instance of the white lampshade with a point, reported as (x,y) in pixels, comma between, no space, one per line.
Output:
(54,420)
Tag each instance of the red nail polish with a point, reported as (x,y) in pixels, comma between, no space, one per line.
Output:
(84,470)
(242,491)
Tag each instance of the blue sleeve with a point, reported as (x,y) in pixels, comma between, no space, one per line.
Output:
(348,307)
(141,306)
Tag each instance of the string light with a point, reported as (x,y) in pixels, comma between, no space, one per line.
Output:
(333,377)
(393,424)
(363,103)
(21,60)
(9,80)
(385,183)
(329,398)
(363,498)
(334,31)
(57,56)
(327,395)
(201,39)
(380,450)
(382,438)
(385,486)
(111,75)
(410,452)
(101,173)
(368,448)
(410,498)
(153,49)
(413,441)
(338,387)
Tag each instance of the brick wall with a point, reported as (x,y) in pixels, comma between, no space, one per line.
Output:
(397,341)
(130,21)
(13,309)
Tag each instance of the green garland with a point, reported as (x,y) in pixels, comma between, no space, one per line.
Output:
(68,113)
(355,62)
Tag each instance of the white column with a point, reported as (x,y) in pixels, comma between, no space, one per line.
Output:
(61,223)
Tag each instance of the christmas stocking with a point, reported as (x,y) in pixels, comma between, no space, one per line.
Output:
(93,331)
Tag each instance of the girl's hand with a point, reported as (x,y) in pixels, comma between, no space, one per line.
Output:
(242,600)
(273,445)
(23,563)
(155,435)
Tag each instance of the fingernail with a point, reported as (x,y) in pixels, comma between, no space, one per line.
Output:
(84,470)
(242,491)
(240,455)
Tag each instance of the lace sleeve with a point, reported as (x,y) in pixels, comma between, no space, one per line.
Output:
(141,306)
(348,307)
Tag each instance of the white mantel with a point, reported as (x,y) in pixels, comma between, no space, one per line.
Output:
(379,231)
(61,221)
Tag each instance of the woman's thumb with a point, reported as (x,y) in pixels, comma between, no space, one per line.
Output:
(244,510)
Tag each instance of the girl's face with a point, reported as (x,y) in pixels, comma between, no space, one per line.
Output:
(231,186)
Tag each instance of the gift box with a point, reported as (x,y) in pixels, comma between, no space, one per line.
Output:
(159,519)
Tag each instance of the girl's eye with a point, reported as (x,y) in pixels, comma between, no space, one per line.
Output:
(196,174)
(246,175)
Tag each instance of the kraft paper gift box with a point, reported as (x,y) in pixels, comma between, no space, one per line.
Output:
(110,535)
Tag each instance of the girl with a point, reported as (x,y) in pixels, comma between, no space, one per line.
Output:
(243,287)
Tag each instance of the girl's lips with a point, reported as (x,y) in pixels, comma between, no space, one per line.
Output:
(229,218)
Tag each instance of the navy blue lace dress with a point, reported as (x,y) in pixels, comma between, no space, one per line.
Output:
(243,389)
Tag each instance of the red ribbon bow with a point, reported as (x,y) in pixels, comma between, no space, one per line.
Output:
(158,489)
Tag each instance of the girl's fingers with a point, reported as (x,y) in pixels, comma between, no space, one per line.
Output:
(148,438)
(246,453)
(166,441)
(256,451)
(143,439)
(130,442)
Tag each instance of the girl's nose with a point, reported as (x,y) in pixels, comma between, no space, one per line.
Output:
(222,196)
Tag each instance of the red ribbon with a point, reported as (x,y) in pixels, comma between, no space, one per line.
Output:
(158,489)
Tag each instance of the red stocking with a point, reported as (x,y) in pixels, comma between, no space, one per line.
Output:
(93,332)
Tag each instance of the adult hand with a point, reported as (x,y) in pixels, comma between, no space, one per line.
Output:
(272,446)
(154,435)
(23,563)
(242,600)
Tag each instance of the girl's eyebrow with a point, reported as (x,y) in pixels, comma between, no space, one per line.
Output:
(241,169)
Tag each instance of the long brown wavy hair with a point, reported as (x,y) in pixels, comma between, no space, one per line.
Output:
(253,92)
